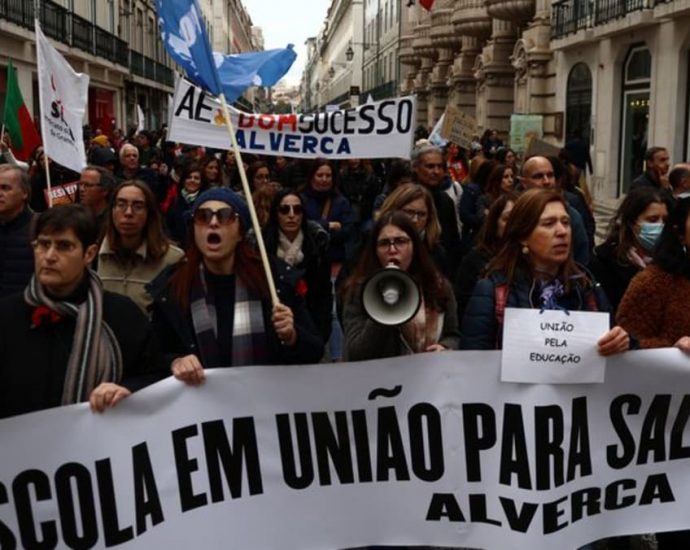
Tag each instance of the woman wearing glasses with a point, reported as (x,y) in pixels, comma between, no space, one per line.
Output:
(214,310)
(302,244)
(395,240)
(135,249)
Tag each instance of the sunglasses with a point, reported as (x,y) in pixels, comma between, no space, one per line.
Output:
(285,209)
(225,216)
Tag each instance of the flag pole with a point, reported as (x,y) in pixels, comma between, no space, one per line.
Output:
(247,192)
(48,186)
(45,154)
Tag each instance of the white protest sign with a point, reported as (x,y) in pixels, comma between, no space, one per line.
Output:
(552,346)
(381,129)
(428,449)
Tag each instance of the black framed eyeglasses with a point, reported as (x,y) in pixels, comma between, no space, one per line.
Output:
(296,209)
(395,242)
(225,216)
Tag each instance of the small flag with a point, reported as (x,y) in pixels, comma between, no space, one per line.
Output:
(63,95)
(18,122)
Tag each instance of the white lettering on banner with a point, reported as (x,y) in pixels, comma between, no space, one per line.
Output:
(413,450)
(375,130)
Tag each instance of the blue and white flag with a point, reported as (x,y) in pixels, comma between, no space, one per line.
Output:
(185,38)
(240,71)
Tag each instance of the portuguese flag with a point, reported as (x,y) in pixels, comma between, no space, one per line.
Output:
(17,120)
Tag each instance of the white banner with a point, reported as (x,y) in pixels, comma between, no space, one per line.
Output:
(63,96)
(140,119)
(429,449)
(376,130)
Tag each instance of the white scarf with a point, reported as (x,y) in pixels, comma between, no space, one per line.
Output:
(290,251)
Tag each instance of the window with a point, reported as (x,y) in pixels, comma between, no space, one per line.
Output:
(579,102)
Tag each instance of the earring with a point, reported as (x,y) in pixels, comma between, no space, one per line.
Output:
(525,249)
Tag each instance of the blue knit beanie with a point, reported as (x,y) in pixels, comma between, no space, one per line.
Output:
(227,196)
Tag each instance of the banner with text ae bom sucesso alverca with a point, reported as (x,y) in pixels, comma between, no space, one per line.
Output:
(429,449)
(382,129)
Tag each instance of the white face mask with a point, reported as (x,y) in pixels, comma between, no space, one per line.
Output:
(683,195)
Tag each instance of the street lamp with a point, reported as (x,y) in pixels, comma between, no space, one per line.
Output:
(350,53)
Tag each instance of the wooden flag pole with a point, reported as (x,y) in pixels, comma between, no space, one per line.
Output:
(247,193)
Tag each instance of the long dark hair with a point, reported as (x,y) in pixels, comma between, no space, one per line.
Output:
(272,227)
(671,252)
(314,167)
(621,233)
(157,244)
(248,267)
(523,219)
(488,239)
(422,267)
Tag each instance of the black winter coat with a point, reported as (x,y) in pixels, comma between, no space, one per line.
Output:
(16,254)
(34,360)
(613,275)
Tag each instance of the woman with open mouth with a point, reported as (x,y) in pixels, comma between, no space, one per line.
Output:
(395,243)
(214,309)
(534,268)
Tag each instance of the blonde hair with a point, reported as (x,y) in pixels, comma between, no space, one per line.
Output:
(404,195)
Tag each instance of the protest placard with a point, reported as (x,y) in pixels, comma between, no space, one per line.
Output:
(65,193)
(428,449)
(382,129)
(458,126)
(523,128)
(552,346)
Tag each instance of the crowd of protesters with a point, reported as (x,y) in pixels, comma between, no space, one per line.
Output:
(153,268)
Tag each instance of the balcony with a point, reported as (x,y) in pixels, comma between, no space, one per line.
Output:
(164,75)
(149,68)
(443,33)
(82,34)
(511,10)
(382,91)
(53,21)
(406,53)
(136,63)
(470,18)
(421,42)
(571,16)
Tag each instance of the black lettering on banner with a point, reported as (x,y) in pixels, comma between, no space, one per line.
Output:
(589,499)
(332,448)
(552,512)
(579,451)
(321,122)
(48,537)
(201,106)
(383,117)
(472,415)
(334,123)
(390,453)
(420,415)
(66,476)
(244,450)
(306,123)
(658,488)
(444,505)
(349,121)
(478,510)
(112,533)
(514,457)
(187,104)
(147,501)
(7,539)
(405,112)
(309,144)
(518,521)
(652,435)
(676,448)
(287,454)
(361,439)
(365,113)
(548,446)
(612,497)
(185,466)
(620,459)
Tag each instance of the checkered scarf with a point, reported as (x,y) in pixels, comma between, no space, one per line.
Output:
(249,343)
(95,356)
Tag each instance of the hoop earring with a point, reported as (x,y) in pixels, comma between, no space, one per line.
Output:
(525,249)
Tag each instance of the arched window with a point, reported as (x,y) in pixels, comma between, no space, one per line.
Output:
(578,114)
(637,74)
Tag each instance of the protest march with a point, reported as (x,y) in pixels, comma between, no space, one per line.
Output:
(329,329)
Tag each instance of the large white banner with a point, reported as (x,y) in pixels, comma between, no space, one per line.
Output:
(375,130)
(428,449)
(63,95)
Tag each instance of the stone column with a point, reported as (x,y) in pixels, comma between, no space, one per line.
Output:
(421,88)
(439,83)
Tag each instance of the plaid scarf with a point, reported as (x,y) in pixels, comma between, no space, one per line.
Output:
(249,343)
(95,356)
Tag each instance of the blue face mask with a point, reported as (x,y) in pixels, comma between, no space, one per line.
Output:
(649,235)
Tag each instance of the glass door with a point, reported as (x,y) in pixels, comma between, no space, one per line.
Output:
(635,131)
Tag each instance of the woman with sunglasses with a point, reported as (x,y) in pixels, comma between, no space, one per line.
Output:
(302,244)
(135,249)
(395,240)
(214,309)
